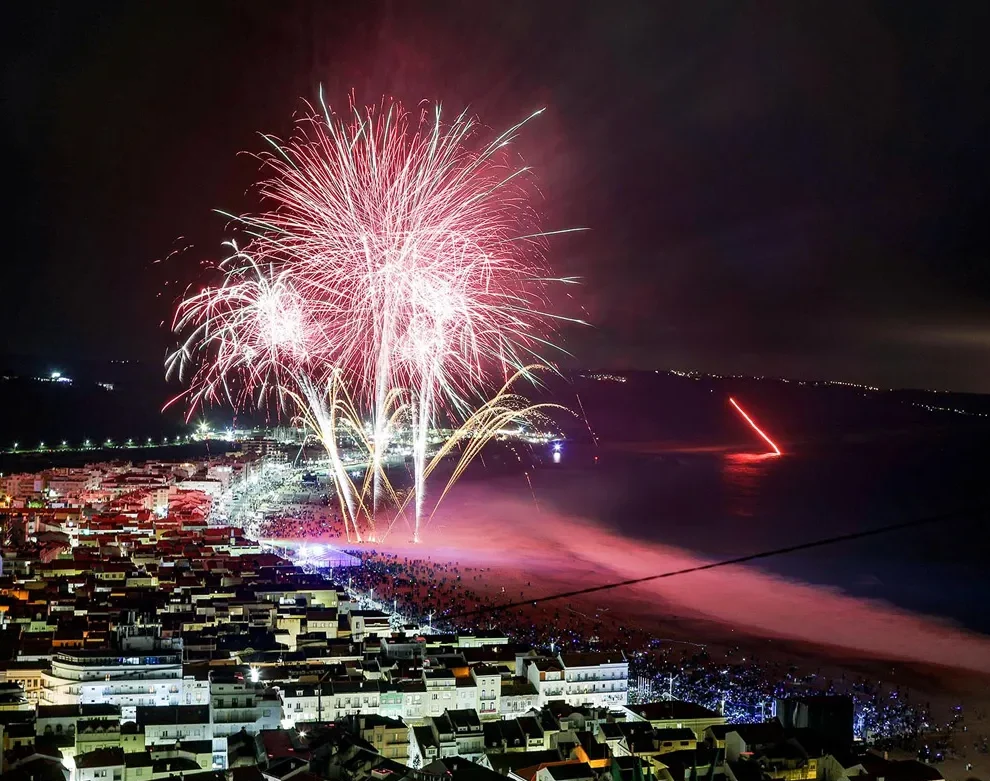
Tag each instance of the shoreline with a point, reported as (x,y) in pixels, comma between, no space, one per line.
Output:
(534,553)
(507,551)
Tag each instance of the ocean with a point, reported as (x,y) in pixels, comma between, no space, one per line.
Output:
(723,503)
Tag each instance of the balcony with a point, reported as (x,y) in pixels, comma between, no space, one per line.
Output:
(390,743)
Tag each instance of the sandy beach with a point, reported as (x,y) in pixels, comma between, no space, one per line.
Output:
(479,527)
(516,552)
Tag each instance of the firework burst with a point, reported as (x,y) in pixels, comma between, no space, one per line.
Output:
(398,257)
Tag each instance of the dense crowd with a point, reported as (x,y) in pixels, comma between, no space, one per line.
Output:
(304,523)
(740,685)
(449,594)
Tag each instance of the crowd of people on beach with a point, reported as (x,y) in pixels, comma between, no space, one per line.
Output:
(744,687)
(303,524)
(450,594)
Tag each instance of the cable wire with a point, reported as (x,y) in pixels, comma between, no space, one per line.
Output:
(729,562)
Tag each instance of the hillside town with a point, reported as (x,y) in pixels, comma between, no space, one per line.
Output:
(146,635)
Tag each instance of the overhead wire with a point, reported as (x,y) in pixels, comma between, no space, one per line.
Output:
(819,543)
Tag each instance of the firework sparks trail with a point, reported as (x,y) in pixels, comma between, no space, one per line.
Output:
(536,502)
(586,421)
(398,258)
(753,425)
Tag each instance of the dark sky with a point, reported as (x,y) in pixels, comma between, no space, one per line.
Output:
(772,188)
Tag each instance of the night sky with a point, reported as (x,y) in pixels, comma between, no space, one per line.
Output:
(794,189)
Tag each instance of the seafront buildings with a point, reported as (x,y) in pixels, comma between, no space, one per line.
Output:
(143,638)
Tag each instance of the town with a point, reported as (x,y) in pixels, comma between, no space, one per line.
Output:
(149,633)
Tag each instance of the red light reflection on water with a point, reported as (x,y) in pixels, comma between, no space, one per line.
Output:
(743,474)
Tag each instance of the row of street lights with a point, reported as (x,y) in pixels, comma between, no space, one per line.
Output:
(109,443)
(203,431)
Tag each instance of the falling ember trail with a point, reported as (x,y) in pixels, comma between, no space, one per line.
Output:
(536,502)
(753,425)
(586,421)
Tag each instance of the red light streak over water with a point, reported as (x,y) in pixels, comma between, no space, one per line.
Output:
(753,425)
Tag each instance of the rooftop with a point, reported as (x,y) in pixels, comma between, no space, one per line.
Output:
(592,659)
(517,760)
(672,710)
(101,757)
(569,771)
(752,734)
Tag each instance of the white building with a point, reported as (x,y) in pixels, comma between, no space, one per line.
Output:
(480,639)
(306,702)
(517,696)
(366,624)
(547,675)
(597,679)
(469,737)
(467,693)
(127,679)
(441,693)
(354,697)
(104,764)
(212,488)
(331,701)
(70,483)
(322,620)
(118,485)
(169,725)
(407,701)
(223,473)
(454,733)
(66,719)
(195,690)
(21,484)
(237,705)
(488,683)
